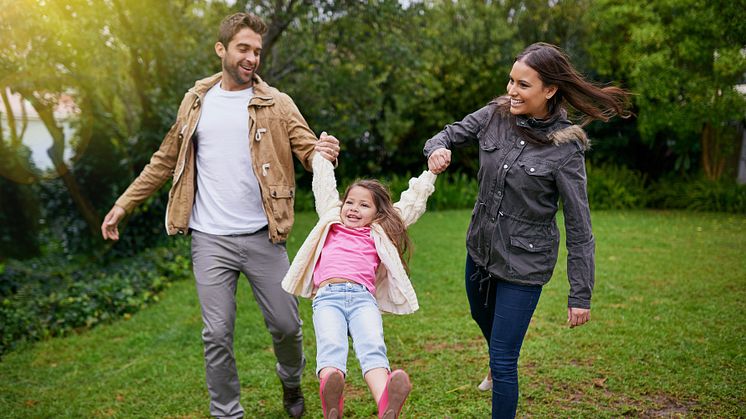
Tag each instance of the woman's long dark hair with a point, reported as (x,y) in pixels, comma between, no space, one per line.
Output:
(594,102)
(387,217)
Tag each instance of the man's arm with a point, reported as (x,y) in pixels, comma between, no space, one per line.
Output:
(152,177)
(303,141)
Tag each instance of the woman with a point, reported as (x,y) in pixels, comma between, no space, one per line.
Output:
(530,156)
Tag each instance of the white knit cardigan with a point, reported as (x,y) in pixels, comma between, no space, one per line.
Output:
(394,291)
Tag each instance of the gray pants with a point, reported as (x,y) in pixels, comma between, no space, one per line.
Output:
(217,261)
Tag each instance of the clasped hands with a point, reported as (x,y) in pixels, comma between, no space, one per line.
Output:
(328,147)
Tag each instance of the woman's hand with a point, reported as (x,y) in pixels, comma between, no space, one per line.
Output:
(439,160)
(578,316)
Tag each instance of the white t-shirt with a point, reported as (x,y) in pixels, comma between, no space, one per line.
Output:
(228,199)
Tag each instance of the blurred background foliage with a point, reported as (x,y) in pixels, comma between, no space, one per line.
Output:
(383,76)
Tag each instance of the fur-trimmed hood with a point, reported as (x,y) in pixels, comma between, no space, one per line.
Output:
(570,134)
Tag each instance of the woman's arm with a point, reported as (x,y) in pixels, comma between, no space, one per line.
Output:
(571,181)
(460,133)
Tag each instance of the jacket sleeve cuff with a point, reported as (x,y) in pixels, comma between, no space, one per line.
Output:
(573,302)
(127,204)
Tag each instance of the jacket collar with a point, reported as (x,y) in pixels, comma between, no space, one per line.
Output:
(557,129)
(263,92)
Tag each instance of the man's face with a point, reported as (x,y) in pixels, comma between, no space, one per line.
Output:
(240,59)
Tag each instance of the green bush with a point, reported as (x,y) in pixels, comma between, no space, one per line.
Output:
(698,194)
(54,296)
(615,187)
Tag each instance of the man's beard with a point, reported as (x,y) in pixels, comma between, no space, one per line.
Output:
(235,74)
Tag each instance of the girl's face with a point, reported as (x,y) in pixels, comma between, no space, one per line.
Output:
(358,209)
(528,95)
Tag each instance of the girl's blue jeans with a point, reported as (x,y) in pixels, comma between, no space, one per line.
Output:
(346,309)
(503,311)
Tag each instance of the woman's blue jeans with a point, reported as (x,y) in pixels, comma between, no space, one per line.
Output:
(503,311)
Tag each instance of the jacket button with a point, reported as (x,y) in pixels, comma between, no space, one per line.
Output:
(530,245)
(505,166)
(523,142)
(532,170)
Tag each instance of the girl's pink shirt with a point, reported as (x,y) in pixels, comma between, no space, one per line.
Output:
(348,253)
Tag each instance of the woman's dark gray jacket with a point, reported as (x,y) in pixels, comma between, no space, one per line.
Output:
(513,232)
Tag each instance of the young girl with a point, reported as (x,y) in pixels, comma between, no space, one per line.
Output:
(352,265)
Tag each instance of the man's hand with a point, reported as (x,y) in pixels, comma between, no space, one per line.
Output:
(439,160)
(578,316)
(109,228)
(328,147)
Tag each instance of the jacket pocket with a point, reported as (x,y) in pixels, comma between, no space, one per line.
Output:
(488,141)
(530,257)
(535,167)
(281,199)
(535,176)
(531,244)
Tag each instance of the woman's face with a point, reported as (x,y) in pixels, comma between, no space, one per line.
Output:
(528,95)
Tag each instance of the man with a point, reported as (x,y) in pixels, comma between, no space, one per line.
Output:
(230,156)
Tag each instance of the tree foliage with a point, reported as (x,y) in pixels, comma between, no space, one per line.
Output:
(683,59)
(125,64)
(383,76)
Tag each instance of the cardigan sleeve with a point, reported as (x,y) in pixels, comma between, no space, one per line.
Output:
(413,201)
(324,185)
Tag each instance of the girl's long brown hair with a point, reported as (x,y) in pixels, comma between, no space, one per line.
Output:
(387,217)
(594,102)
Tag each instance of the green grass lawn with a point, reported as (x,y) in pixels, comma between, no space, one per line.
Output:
(667,338)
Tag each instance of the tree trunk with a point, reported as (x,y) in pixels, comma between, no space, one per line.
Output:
(713,158)
(11,165)
(741,178)
(56,154)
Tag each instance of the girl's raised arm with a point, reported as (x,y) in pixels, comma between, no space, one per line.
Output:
(324,185)
(413,201)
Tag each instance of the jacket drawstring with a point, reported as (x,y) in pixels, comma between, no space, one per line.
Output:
(481,275)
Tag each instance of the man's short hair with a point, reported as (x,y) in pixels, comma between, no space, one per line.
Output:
(233,24)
